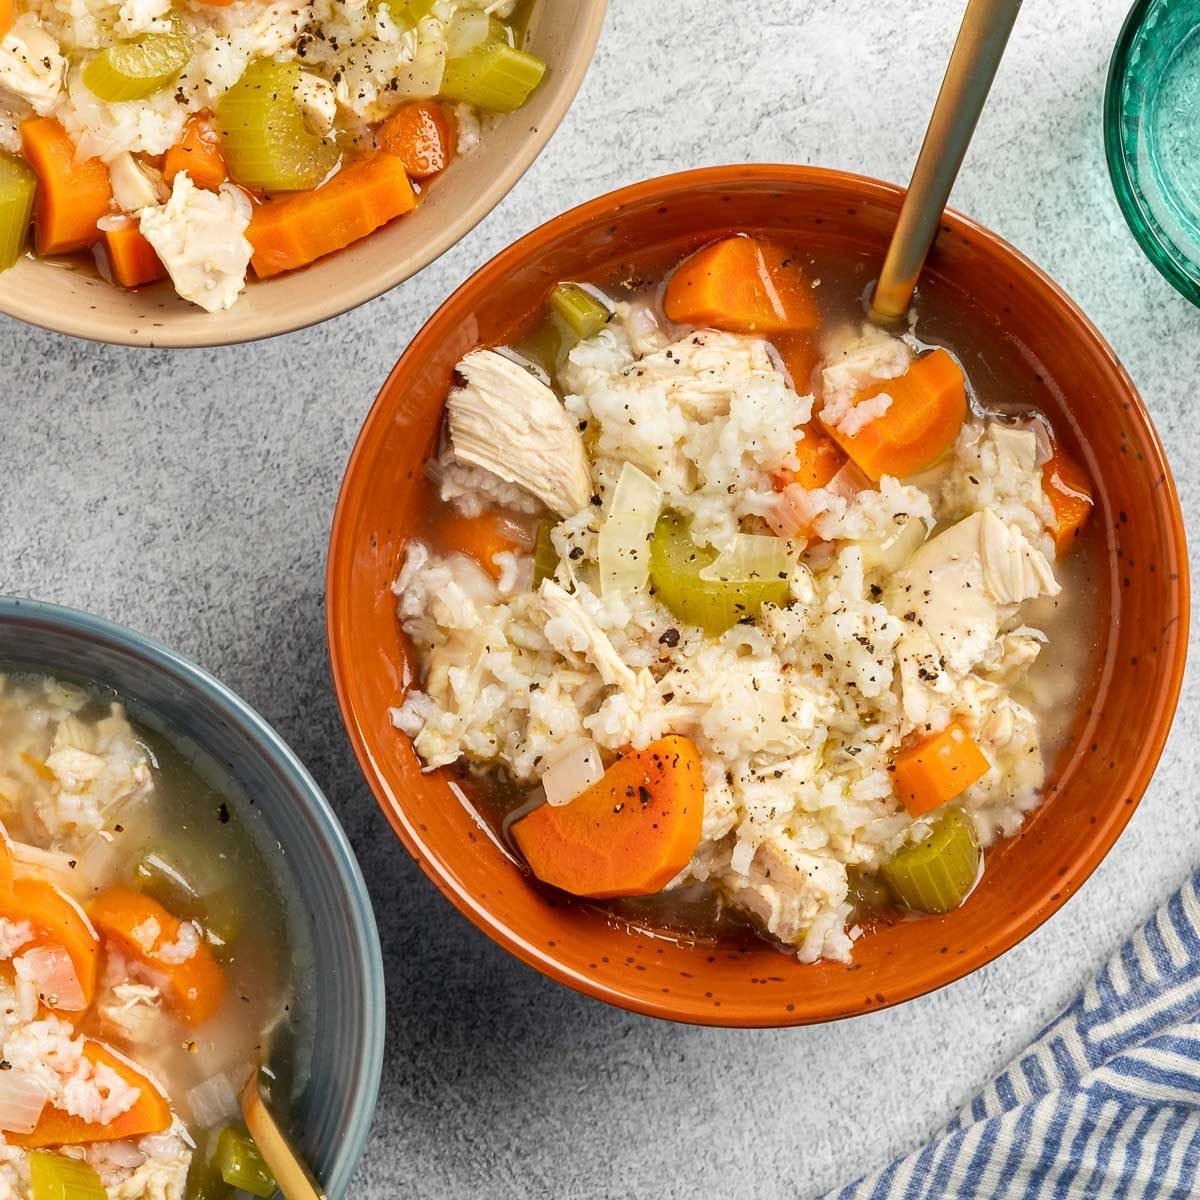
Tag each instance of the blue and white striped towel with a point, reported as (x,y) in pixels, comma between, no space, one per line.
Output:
(1106,1100)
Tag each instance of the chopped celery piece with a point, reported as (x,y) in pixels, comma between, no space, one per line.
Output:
(497,77)
(17,186)
(583,313)
(937,874)
(265,140)
(241,1165)
(869,893)
(676,564)
(547,345)
(204,1180)
(545,557)
(138,68)
(55,1177)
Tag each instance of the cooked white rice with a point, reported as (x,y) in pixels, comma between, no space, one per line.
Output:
(798,715)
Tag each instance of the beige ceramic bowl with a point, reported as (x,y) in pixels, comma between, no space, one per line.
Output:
(67,298)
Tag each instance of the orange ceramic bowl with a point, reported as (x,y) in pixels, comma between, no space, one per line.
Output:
(1051,355)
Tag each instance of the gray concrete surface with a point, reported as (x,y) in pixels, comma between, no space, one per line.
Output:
(189,495)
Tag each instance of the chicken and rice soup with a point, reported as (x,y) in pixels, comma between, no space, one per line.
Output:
(145,961)
(199,139)
(731,599)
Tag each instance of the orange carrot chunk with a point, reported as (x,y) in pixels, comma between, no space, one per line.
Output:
(482,537)
(295,230)
(131,258)
(820,460)
(928,407)
(147,932)
(6,16)
(150,1113)
(56,921)
(939,767)
(800,355)
(71,196)
(198,152)
(421,136)
(1069,491)
(744,285)
(629,834)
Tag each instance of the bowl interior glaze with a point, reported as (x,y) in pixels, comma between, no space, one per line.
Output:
(333,921)
(1059,362)
(66,297)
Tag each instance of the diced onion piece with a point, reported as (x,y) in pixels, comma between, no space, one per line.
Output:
(468,28)
(22,1097)
(423,76)
(57,981)
(937,874)
(624,543)
(497,77)
(572,773)
(583,312)
(56,1177)
(213,1102)
(17,186)
(894,548)
(751,556)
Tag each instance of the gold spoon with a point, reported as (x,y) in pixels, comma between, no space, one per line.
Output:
(291,1173)
(976,55)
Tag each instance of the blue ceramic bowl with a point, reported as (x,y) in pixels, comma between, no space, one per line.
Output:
(345,1000)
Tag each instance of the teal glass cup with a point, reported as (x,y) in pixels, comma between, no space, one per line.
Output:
(1152,135)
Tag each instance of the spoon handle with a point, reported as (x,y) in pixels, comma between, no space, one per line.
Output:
(973,62)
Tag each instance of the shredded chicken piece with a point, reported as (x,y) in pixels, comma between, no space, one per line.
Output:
(513,425)
(581,634)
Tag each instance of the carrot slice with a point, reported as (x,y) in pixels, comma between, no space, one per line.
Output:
(481,537)
(629,834)
(56,920)
(820,460)
(744,285)
(198,152)
(143,930)
(1069,491)
(929,405)
(295,230)
(6,16)
(421,136)
(71,196)
(150,1113)
(131,257)
(938,768)
(800,354)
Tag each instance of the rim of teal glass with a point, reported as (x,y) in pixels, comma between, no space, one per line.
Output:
(350,1149)
(1119,168)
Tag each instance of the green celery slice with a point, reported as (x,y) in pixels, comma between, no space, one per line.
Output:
(18,183)
(545,557)
(55,1177)
(937,874)
(137,68)
(497,77)
(583,313)
(869,893)
(715,605)
(241,1165)
(265,140)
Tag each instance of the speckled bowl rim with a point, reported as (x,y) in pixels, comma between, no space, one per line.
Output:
(16,610)
(1122,173)
(321,304)
(1137,775)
